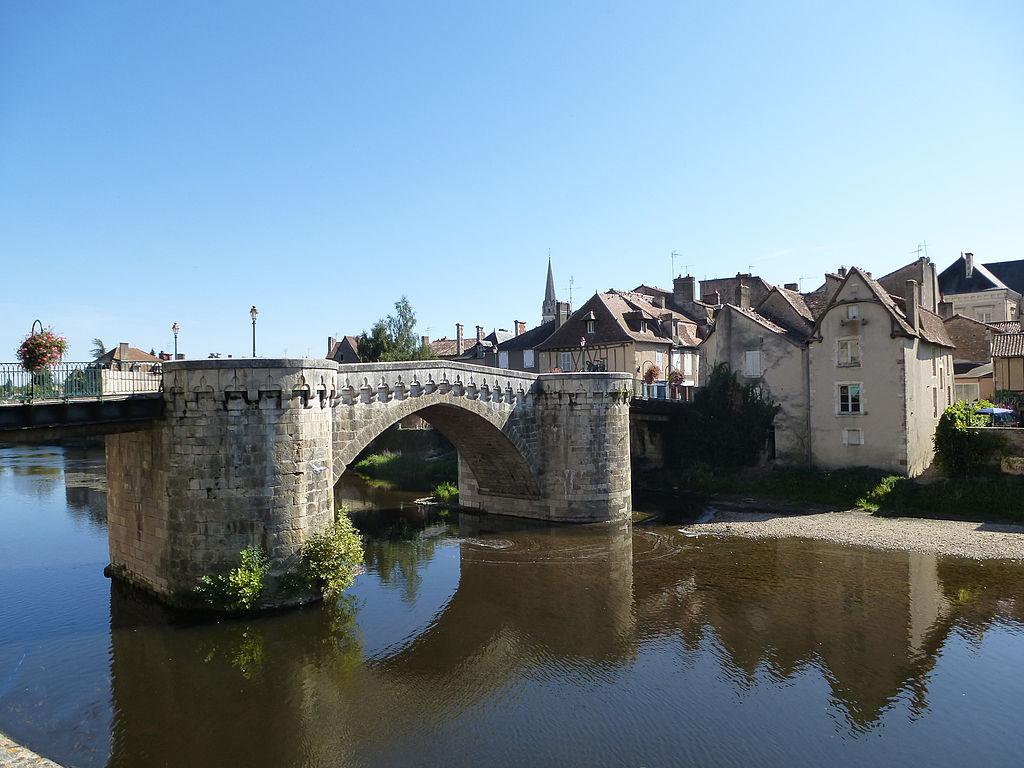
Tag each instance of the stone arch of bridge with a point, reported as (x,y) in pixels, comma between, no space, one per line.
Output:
(482,432)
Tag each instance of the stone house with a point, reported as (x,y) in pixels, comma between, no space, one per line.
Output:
(769,344)
(973,377)
(126,358)
(520,352)
(881,373)
(860,376)
(624,331)
(344,350)
(987,292)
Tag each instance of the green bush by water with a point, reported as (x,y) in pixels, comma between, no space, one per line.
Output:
(446,493)
(409,471)
(239,588)
(995,496)
(330,559)
(958,450)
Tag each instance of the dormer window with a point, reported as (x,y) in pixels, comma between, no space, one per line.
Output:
(643,326)
(591,323)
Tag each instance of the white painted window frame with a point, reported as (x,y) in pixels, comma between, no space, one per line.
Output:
(502,358)
(839,398)
(747,367)
(562,357)
(529,359)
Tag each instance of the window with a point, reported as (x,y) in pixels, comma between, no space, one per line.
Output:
(848,352)
(565,361)
(850,398)
(591,325)
(984,314)
(687,364)
(935,403)
(852,312)
(752,364)
(643,326)
(970,392)
(659,360)
(502,359)
(853,437)
(528,358)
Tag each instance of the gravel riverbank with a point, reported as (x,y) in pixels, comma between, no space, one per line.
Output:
(941,537)
(13,755)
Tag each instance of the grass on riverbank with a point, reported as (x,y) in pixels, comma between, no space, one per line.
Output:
(988,497)
(406,471)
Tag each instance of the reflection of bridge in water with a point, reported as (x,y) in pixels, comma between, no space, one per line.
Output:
(561,629)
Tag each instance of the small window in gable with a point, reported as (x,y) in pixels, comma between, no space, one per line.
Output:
(591,325)
(853,312)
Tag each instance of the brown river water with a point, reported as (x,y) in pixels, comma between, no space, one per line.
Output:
(476,641)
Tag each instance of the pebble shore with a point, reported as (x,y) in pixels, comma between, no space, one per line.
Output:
(940,537)
(13,755)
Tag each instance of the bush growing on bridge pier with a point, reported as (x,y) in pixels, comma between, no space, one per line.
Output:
(330,559)
(239,588)
(446,493)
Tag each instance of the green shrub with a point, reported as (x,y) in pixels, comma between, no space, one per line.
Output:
(330,559)
(239,588)
(959,451)
(409,471)
(447,493)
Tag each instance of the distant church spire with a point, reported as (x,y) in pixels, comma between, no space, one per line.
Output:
(550,306)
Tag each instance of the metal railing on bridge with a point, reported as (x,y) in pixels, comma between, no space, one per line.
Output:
(662,390)
(71,381)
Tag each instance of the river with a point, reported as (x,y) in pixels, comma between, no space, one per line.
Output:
(475,641)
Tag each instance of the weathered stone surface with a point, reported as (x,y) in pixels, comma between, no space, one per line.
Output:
(13,755)
(249,450)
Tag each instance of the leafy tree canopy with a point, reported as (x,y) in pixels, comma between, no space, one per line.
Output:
(393,338)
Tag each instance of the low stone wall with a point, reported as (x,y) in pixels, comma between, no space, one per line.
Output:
(13,755)
(1011,455)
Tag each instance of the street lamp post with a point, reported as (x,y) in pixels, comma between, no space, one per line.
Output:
(252,313)
(174,329)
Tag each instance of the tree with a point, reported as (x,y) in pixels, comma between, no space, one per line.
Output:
(393,338)
(99,349)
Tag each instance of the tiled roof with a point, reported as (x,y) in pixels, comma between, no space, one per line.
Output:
(1011,273)
(131,355)
(798,302)
(616,313)
(346,343)
(529,339)
(1008,345)
(933,329)
(815,301)
(445,347)
(1007,326)
(759,318)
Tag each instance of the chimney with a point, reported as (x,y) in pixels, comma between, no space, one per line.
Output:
(520,327)
(330,344)
(841,271)
(561,313)
(459,343)
(425,341)
(743,296)
(479,334)
(911,303)
(969,263)
(683,290)
(122,350)
(714,298)
(945,309)
(792,287)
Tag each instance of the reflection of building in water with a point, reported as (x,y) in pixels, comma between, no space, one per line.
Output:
(85,482)
(872,620)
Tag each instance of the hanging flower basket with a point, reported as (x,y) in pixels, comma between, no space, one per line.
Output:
(651,375)
(41,349)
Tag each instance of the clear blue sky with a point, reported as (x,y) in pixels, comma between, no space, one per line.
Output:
(166,162)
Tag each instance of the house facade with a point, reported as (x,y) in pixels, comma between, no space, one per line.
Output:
(987,292)
(881,373)
(1008,362)
(861,377)
(624,331)
(343,350)
(972,358)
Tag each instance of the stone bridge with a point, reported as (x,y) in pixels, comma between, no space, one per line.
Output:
(248,451)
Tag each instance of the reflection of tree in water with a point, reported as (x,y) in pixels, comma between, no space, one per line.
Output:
(398,559)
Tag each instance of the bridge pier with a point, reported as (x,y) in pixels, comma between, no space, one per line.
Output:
(247,453)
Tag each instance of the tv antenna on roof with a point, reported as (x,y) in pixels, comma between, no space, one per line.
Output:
(572,284)
(673,256)
(922,247)
(800,281)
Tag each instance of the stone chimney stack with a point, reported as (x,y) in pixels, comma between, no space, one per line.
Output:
(460,344)
(841,272)
(330,344)
(479,334)
(792,287)
(714,298)
(945,309)
(122,350)
(562,314)
(425,341)
(969,264)
(520,327)
(743,296)
(684,289)
(911,303)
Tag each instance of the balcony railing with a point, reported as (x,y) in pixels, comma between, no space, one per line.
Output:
(662,390)
(70,381)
